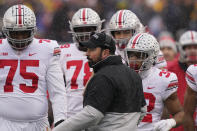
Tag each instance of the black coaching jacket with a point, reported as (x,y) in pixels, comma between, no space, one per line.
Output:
(117,92)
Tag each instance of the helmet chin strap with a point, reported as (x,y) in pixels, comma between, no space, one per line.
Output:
(192,59)
(135,67)
(122,43)
(19,45)
(121,46)
(79,46)
(139,70)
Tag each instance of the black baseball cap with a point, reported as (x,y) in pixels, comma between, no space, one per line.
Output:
(100,40)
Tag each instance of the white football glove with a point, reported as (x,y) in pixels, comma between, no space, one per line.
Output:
(164,125)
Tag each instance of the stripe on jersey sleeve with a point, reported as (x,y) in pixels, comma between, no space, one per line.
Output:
(190,78)
(173,84)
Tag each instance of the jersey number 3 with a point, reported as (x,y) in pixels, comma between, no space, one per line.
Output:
(148,117)
(26,75)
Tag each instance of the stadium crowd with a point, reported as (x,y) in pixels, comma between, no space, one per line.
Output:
(159,15)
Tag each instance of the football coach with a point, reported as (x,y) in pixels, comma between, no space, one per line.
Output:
(113,99)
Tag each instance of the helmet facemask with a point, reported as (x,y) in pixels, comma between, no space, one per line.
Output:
(82,34)
(19,43)
(139,60)
(187,47)
(190,53)
(122,37)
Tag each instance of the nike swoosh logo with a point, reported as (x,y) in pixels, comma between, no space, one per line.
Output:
(150,87)
(30,54)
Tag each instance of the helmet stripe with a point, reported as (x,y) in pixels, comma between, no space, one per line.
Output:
(19,14)
(120,18)
(135,40)
(84,15)
(192,36)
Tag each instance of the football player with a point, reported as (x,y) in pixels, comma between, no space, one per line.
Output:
(28,67)
(73,60)
(188,50)
(122,26)
(190,98)
(188,55)
(159,86)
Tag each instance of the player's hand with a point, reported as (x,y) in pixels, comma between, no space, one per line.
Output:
(164,125)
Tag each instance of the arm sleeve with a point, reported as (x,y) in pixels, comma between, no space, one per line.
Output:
(56,89)
(191,79)
(89,116)
(100,93)
(171,87)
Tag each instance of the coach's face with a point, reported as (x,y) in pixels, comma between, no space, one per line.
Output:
(94,55)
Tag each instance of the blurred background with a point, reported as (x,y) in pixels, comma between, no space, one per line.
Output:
(174,16)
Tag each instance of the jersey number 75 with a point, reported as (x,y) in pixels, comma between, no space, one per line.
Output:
(8,87)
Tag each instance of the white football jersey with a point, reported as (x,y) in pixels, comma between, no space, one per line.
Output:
(122,54)
(25,78)
(158,85)
(161,62)
(191,78)
(77,72)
